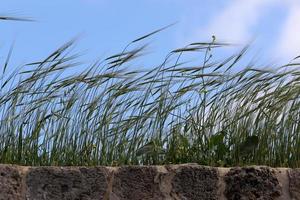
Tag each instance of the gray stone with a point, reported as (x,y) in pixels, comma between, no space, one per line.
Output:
(252,183)
(195,182)
(294,186)
(10,183)
(136,183)
(67,183)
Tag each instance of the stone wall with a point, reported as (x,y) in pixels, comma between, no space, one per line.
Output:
(188,181)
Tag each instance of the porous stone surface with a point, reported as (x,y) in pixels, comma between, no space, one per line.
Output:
(53,183)
(136,183)
(170,182)
(10,183)
(195,182)
(252,183)
(294,186)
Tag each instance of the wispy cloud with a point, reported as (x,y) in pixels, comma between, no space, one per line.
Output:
(288,45)
(239,21)
(235,22)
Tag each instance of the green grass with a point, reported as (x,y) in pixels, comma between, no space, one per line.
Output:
(113,114)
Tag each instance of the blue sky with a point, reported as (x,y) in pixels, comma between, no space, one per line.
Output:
(106,26)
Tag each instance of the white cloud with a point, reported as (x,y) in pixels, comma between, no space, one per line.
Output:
(288,45)
(235,22)
(238,20)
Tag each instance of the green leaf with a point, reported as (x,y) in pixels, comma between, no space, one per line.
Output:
(249,145)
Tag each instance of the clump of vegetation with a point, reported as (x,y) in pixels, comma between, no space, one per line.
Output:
(112,114)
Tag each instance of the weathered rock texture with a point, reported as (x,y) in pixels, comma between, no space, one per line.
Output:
(252,183)
(188,181)
(294,176)
(46,183)
(136,183)
(11,187)
(195,182)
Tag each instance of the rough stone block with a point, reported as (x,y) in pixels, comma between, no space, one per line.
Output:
(136,183)
(10,183)
(294,186)
(252,183)
(193,182)
(47,183)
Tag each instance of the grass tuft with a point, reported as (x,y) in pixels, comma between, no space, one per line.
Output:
(112,114)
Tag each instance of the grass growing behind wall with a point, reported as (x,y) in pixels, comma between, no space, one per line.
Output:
(112,114)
